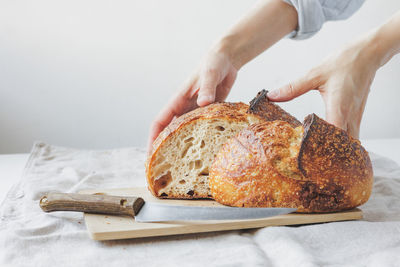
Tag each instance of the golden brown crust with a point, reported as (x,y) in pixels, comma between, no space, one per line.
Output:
(265,165)
(329,156)
(232,112)
(269,111)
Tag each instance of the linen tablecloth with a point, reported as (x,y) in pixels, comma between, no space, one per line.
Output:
(30,237)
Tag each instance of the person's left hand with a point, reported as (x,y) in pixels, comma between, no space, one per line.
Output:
(343,80)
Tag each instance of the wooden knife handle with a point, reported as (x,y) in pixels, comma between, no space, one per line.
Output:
(91,203)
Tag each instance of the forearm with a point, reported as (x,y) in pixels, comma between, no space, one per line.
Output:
(384,42)
(258,30)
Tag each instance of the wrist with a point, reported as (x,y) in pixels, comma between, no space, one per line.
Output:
(372,51)
(230,46)
(262,27)
(384,43)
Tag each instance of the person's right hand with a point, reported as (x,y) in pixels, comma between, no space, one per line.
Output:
(210,83)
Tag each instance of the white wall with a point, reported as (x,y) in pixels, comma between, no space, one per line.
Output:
(93,73)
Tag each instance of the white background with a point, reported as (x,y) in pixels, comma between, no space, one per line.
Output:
(93,74)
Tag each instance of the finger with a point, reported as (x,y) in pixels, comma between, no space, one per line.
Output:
(182,102)
(174,109)
(336,119)
(225,87)
(295,89)
(336,112)
(162,121)
(155,130)
(353,128)
(207,90)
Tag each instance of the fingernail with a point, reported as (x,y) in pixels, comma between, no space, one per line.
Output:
(273,93)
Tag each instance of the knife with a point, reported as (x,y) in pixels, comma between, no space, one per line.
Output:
(149,211)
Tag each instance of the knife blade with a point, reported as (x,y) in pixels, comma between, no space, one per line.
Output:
(149,211)
(154,212)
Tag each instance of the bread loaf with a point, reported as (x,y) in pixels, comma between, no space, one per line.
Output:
(259,156)
(314,167)
(178,165)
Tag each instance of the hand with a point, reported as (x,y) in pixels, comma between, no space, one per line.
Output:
(343,80)
(260,28)
(210,83)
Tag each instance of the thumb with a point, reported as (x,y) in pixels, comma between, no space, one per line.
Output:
(207,90)
(291,90)
(335,114)
(334,117)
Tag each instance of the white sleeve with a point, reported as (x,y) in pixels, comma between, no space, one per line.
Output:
(312,14)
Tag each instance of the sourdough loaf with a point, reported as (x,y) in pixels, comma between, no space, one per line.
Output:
(314,167)
(212,152)
(178,165)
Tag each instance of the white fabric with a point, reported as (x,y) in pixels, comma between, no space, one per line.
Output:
(30,237)
(312,14)
(11,167)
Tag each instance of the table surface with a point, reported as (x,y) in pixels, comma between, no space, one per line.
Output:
(12,165)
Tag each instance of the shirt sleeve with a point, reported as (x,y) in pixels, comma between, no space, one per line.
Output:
(312,14)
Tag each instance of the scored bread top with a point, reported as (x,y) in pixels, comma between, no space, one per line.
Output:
(328,151)
(261,106)
(329,156)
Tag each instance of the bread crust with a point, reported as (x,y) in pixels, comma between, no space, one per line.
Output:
(326,171)
(269,111)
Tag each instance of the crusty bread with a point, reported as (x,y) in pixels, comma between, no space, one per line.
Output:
(178,165)
(314,167)
(275,162)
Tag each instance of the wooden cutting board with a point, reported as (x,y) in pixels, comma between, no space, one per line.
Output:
(108,227)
